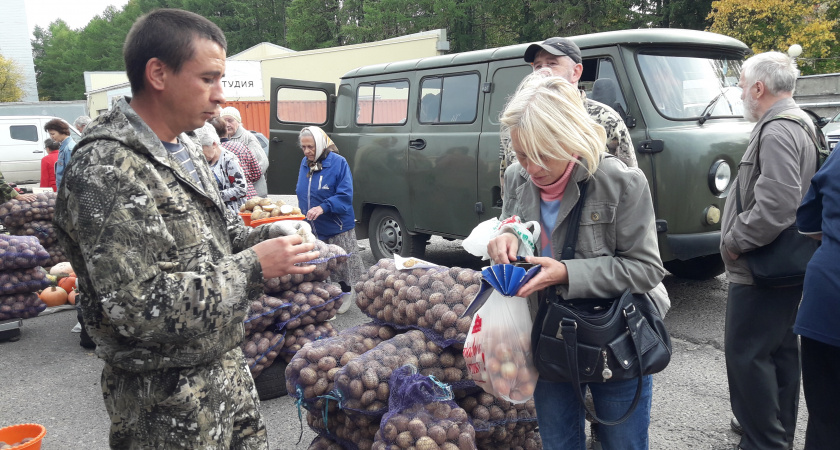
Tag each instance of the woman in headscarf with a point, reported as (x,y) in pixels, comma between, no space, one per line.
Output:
(325,195)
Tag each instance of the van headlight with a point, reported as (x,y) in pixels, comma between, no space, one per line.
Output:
(720,175)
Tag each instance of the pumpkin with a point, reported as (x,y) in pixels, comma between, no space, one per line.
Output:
(67,283)
(71,297)
(62,268)
(53,296)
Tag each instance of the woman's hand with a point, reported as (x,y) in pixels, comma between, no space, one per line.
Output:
(27,197)
(552,272)
(502,249)
(313,213)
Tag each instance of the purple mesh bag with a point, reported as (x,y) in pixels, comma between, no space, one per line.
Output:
(16,213)
(263,312)
(21,252)
(21,306)
(296,339)
(421,414)
(330,257)
(498,423)
(309,303)
(261,349)
(23,281)
(431,300)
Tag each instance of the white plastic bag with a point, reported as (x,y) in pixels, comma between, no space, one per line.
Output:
(480,236)
(498,346)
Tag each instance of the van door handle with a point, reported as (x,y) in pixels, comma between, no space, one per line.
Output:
(417,144)
(276,141)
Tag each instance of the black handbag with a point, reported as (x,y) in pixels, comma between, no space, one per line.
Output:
(782,262)
(598,340)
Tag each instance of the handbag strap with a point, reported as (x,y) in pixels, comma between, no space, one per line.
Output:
(568,329)
(569,245)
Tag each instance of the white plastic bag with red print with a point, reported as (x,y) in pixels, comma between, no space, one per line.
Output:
(498,346)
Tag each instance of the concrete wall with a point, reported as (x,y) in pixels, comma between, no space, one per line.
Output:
(819,93)
(68,111)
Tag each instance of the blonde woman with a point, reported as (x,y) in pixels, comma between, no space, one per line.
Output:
(557,145)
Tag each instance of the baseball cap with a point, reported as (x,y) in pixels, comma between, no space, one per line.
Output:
(557,46)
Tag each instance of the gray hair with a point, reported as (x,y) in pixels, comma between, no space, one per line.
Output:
(304,132)
(207,135)
(774,69)
(81,121)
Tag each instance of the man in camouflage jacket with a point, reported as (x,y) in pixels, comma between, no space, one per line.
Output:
(166,271)
(561,57)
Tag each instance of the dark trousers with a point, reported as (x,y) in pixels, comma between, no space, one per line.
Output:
(821,381)
(762,363)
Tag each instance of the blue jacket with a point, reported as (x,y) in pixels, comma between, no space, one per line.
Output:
(332,190)
(64,153)
(819,312)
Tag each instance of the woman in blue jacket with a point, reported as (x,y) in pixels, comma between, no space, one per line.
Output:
(818,320)
(325,194)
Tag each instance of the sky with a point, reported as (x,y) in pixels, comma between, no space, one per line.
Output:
(77,13)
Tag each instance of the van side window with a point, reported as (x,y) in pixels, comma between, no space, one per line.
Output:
(301,105)
(600,83)
(24,132)
(343,106)
(449,99)
(382,103)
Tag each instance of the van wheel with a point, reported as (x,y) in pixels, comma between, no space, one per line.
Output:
(388,236)
(700,268)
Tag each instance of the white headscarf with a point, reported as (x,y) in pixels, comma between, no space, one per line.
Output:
(322,141)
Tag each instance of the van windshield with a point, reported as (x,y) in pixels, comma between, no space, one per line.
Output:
(690,87)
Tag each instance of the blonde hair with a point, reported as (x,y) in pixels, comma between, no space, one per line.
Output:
(547,115)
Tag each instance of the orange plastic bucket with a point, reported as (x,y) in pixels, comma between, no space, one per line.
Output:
(246,217)
(259,222)
(16,433)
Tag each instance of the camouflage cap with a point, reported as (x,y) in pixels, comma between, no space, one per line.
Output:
(557,46)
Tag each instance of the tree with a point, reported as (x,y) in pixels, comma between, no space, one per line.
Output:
(11,81)
(777,24)
(56,57)
(313,24)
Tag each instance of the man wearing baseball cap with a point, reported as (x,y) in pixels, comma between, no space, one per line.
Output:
(561,57)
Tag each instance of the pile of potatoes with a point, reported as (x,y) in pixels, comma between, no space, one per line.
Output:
(23,281)
(324,443)
(261,349)
(427,299)
(312,371)
(330,257)
(440,425)
(264,208)
(500,362)
(44,230)
(21,252)
(349,433)
(17,213)
(23,306)
(363,383)
(296,339)
(310,303)
(497,421)
(262,313)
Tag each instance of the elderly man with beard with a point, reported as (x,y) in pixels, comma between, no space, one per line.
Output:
(762,353)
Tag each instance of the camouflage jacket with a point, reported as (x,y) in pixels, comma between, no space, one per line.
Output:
(164,268)
(6,191)
(618,136)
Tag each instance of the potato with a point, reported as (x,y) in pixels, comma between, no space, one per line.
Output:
(262,347)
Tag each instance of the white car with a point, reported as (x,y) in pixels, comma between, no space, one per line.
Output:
(22,147)
(832,131)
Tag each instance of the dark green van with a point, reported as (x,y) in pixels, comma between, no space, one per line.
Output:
(422,136)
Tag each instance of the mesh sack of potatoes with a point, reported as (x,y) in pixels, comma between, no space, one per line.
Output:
(297,338)
(362,384)
(330,257)
(56,255)
(324,443)
(351,434)
(262,313)
(23,281)
(497,422)
(21,252)
(22,306)
(421,415)
(310,302)
(44,230)
(431,300)
(16,213)
(311,372)
(261,349)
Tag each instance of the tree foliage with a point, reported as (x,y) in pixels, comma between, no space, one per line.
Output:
(11,81)
(766,25)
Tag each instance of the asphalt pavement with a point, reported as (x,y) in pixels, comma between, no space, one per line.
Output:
(47,378)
